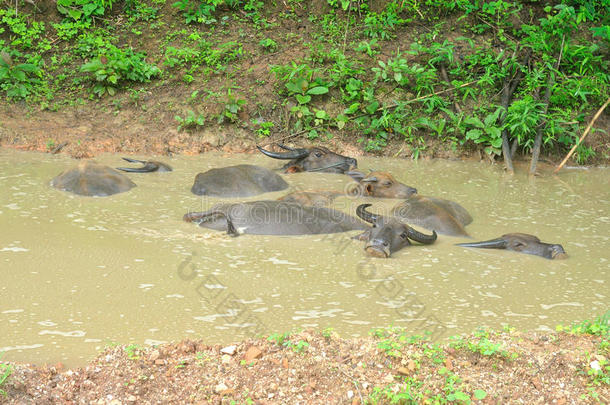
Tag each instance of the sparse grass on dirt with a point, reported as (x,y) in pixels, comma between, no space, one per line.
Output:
(566,367)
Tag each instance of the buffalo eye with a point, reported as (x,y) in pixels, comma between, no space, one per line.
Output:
(318,154)
(387,183)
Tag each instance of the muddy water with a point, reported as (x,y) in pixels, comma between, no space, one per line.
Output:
(80,273)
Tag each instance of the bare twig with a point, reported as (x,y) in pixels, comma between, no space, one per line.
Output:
(445,77)
(355,382)
(595,117)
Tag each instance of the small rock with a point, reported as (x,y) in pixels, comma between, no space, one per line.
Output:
(154,355)
(131,398)
(230,350)
(252,353)
(595,365)
(220,388)
(388,378)
(350,394)
(187,347)
(404,371)
(285,362)
(159,362)
(411,365)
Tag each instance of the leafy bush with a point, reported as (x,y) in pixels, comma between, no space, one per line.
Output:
(17,79)
(118,65)
(83,9)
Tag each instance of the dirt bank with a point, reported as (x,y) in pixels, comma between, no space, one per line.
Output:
(311,367)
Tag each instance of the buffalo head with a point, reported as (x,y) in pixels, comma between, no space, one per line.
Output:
(380,184)
(388,234)
(522,242)
(315,159)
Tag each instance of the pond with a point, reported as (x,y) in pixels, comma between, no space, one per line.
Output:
(80,273)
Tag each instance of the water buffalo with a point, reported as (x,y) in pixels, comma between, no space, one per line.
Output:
(379,184)
(314,159)
(522,242)
(313,198)
(388,234)
(92,179)
(237,181)
(274,218)
(147,166)
(444,216)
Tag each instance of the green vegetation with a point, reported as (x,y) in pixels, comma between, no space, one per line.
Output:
(133,351)
(5,372)
(410,388)
(597,365)
(502,77)
(283,339)
(482,345)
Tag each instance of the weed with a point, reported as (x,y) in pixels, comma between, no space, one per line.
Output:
(18,80)
(328,332)
(264,129)
(5,372)
(279,338)
(133,351)
(482,345)
(232,106)
(117,65)
(191,121)
(268,44)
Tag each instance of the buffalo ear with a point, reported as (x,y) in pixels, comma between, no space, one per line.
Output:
(356,175)
(363,237)
(293,169)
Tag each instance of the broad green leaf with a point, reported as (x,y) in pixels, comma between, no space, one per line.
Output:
(318,90)
(495,132)
(474,121)
(352,108)
(321,114)
(372,107)
(474,134)
(302,99)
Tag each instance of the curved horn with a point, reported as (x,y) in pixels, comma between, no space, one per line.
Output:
(293,154)
(365,215)
(421,237)
(370,180)
(498,243)
(281,145)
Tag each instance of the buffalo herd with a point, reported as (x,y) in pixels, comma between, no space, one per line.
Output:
(308,212)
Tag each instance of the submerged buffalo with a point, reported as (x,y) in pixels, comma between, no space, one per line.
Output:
(92,179)
(274,218)
(315,159)
(444,216)
(237,181)
(522,242)
(388,234)
(313,198)
(379,184)
(147,166)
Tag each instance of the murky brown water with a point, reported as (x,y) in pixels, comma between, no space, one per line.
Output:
(79,273)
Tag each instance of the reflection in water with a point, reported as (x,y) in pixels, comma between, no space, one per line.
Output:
(79,273)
